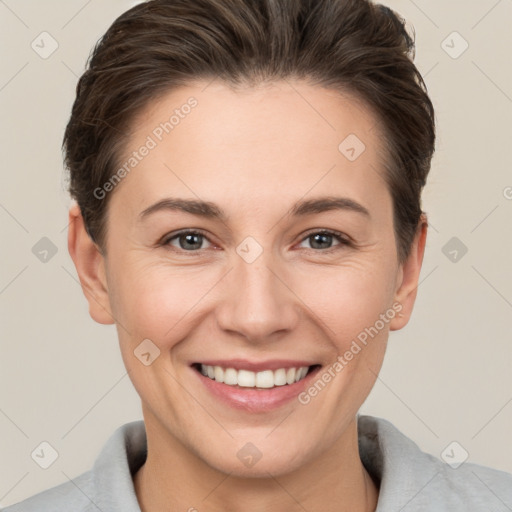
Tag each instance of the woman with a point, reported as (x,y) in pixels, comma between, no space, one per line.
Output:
(248,181)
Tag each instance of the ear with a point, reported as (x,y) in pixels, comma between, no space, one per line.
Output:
(90,266)
(408,276)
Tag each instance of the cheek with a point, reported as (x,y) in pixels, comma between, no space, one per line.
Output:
(346,299)
(157,301)
(162,302)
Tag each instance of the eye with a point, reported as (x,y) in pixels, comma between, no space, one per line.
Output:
(323,239)
(190,241)
(193,240)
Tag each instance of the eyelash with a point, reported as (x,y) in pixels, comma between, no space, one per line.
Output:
(343,240)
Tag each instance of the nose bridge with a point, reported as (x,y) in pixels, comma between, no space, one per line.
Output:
(257,303)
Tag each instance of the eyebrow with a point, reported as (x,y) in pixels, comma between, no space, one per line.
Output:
(210,210)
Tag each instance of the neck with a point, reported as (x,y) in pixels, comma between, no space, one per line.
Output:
(174,478)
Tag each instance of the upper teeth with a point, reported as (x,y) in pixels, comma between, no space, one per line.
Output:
(248,379)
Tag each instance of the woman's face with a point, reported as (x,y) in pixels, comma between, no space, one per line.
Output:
(216,257)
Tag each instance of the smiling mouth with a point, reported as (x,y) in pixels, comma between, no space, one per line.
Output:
(265,379)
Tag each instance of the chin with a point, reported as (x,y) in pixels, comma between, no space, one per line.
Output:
(250,462)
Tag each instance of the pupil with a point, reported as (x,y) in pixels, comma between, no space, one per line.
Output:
(318,238)
(190,240)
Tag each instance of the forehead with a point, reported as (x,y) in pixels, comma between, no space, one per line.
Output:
(286,138)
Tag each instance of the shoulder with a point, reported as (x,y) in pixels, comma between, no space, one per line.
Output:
(472,487)
(68,496)
(107,486)
(414,480)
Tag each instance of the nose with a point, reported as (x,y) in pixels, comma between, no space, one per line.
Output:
(258,303)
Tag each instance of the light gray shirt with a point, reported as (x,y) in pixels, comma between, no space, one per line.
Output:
(409,479)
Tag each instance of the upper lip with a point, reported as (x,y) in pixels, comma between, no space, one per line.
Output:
(256,366)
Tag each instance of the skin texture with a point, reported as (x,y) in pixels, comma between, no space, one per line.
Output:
(254,152)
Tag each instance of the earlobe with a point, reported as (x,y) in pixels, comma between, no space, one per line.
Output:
(408,279)
(90,266)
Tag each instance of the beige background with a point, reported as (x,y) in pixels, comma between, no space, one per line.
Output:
(447,375)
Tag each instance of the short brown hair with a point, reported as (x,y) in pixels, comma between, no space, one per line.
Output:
(354,46)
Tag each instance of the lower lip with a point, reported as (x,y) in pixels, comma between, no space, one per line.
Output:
(256,399)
